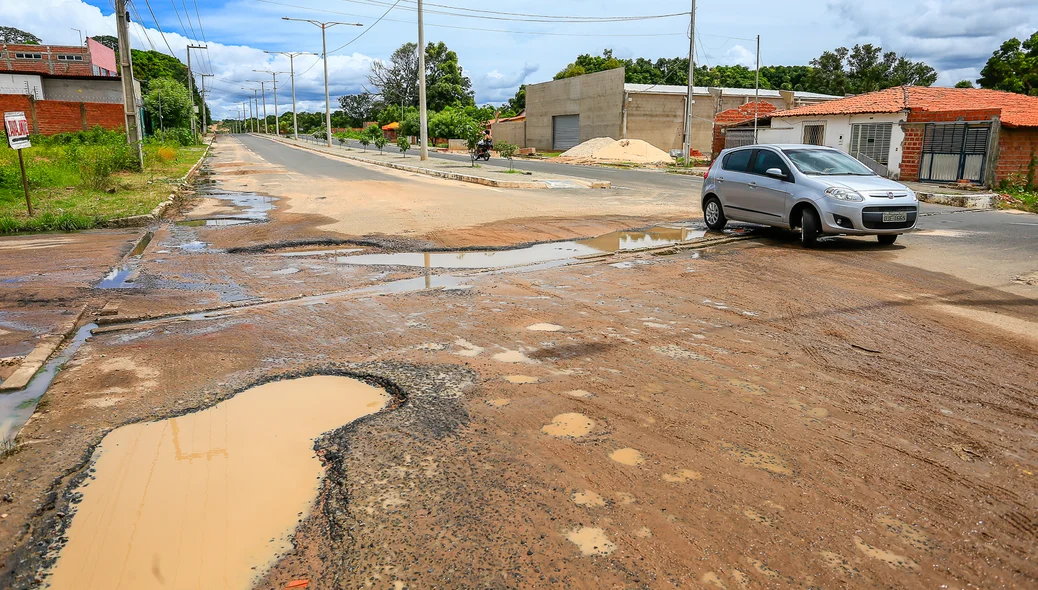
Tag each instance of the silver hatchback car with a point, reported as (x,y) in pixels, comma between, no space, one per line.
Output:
(819,190)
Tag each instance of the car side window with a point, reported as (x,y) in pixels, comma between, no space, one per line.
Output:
(767,159)
(737,161)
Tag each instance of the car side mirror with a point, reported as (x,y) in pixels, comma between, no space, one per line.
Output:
(775,173)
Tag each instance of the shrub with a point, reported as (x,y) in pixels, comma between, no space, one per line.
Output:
(403,144)
(71,222)
(8,225)
(380,141)
(507,150)
(98,165)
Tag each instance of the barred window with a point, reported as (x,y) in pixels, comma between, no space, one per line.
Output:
(70,57)
(28,56)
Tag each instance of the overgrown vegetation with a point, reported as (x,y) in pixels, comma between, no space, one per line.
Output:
(1020,191)
(84,179)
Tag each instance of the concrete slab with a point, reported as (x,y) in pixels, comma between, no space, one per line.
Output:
(39,355)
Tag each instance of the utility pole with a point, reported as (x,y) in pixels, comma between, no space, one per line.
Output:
(241,129)
(292,75)
(80,35)
(686,146)
(203,93)
(161,125)
(191,86)
(277,123)
(423,115)
(324,54)
(263,93)
(756,93)
(131,114)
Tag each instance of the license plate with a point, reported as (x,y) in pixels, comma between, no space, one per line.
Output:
(895,217)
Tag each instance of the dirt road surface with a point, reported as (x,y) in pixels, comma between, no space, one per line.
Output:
(743,415)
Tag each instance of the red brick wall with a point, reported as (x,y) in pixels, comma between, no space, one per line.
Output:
(912,146)
(48,117)
(1016,147)
(49,64)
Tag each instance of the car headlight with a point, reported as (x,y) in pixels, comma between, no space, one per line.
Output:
(913,195)
(843,194)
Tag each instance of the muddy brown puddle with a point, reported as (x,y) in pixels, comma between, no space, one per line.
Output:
(538,253)
(208,499)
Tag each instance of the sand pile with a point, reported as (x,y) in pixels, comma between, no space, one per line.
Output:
(605,149)
(588,148)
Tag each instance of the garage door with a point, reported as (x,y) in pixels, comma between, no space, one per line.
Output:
(565,131)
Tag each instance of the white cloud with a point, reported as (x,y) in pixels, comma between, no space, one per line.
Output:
(739,56)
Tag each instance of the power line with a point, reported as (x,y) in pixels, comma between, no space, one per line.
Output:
(527,17)
(188,15)
(364,32)
(140,23)
(159,27)
(205,41)
(485,30)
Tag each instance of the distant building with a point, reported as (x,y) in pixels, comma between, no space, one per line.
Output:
(920,133)
(62,87)
(563,113)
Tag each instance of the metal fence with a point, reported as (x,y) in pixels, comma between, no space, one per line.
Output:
(873,165)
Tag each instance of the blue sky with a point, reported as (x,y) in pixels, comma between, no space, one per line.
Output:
(955,36)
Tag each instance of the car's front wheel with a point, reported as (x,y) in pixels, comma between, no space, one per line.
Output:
(887,239)
(714,214)
(809,228)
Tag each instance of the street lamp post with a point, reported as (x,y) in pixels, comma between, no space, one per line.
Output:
(324,54)
(263,93)
(292,75)
(277,122)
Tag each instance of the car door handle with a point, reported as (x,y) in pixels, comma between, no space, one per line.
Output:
(719,179)
(751,184)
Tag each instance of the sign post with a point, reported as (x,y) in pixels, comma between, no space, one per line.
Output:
(17,128)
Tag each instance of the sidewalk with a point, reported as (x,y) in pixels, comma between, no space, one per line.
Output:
(486,174)
(949,194)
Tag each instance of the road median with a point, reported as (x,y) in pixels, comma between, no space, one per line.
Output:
(452,170)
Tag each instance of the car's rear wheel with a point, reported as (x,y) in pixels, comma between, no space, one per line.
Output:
(887,239)
(713,213)
(809,227)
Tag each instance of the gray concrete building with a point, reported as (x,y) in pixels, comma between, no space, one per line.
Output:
(563,113)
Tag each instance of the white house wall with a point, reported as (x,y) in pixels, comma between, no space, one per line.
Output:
(837,132)
(21,84)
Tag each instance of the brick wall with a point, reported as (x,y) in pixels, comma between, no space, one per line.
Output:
(735,116)
(48,117)
(48,62)
(1016,147)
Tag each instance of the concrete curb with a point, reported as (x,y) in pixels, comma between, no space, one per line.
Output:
(39,355)
(455,175)
(977,201)
(160,209)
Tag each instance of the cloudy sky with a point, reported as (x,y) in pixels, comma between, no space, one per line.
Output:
(499,51)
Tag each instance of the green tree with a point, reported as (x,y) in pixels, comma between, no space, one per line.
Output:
(360,108)
(108,41)
(865,68)
(828,75)
(450,123)
(589,64)
(446,82)
(411,125)
(380,141)
(168,100)
(403,144)
(1013,67)
(507,150)
(17,36)
(517,103)
(397,80)
(964,84)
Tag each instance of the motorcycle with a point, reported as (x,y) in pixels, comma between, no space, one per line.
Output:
(482,151)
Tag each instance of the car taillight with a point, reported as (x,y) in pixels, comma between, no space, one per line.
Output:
(706,174)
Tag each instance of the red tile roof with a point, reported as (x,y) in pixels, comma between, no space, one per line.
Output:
(1017,110)
(744,113)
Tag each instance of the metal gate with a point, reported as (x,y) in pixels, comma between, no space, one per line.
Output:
(954,151)
(738,137)
(565,131)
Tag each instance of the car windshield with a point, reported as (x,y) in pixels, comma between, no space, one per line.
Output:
(826,163)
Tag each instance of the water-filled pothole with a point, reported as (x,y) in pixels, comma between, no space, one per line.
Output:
(215,494)
(611,242)
(217,222)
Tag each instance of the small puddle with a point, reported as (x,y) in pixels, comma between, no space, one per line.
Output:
(121,277)
(538,253)
(254,207)
(16,408)
(215,494)
(216,222)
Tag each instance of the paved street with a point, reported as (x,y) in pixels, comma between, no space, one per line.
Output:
(534,401)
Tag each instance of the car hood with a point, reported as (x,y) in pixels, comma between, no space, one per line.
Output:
(862,183)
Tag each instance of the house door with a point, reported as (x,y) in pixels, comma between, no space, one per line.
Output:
(954,151)
(565,131)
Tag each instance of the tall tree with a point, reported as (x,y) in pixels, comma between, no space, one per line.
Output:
(828,75)
(1013,67)
(397,81)
(446,83)
(445,80)
(18,36)
(517,103)
(169,99)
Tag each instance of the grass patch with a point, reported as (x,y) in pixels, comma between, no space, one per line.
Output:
(9,447)
(1018,198)
(77,185)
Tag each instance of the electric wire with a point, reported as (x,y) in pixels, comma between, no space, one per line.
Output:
(159,27)
(527,18)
